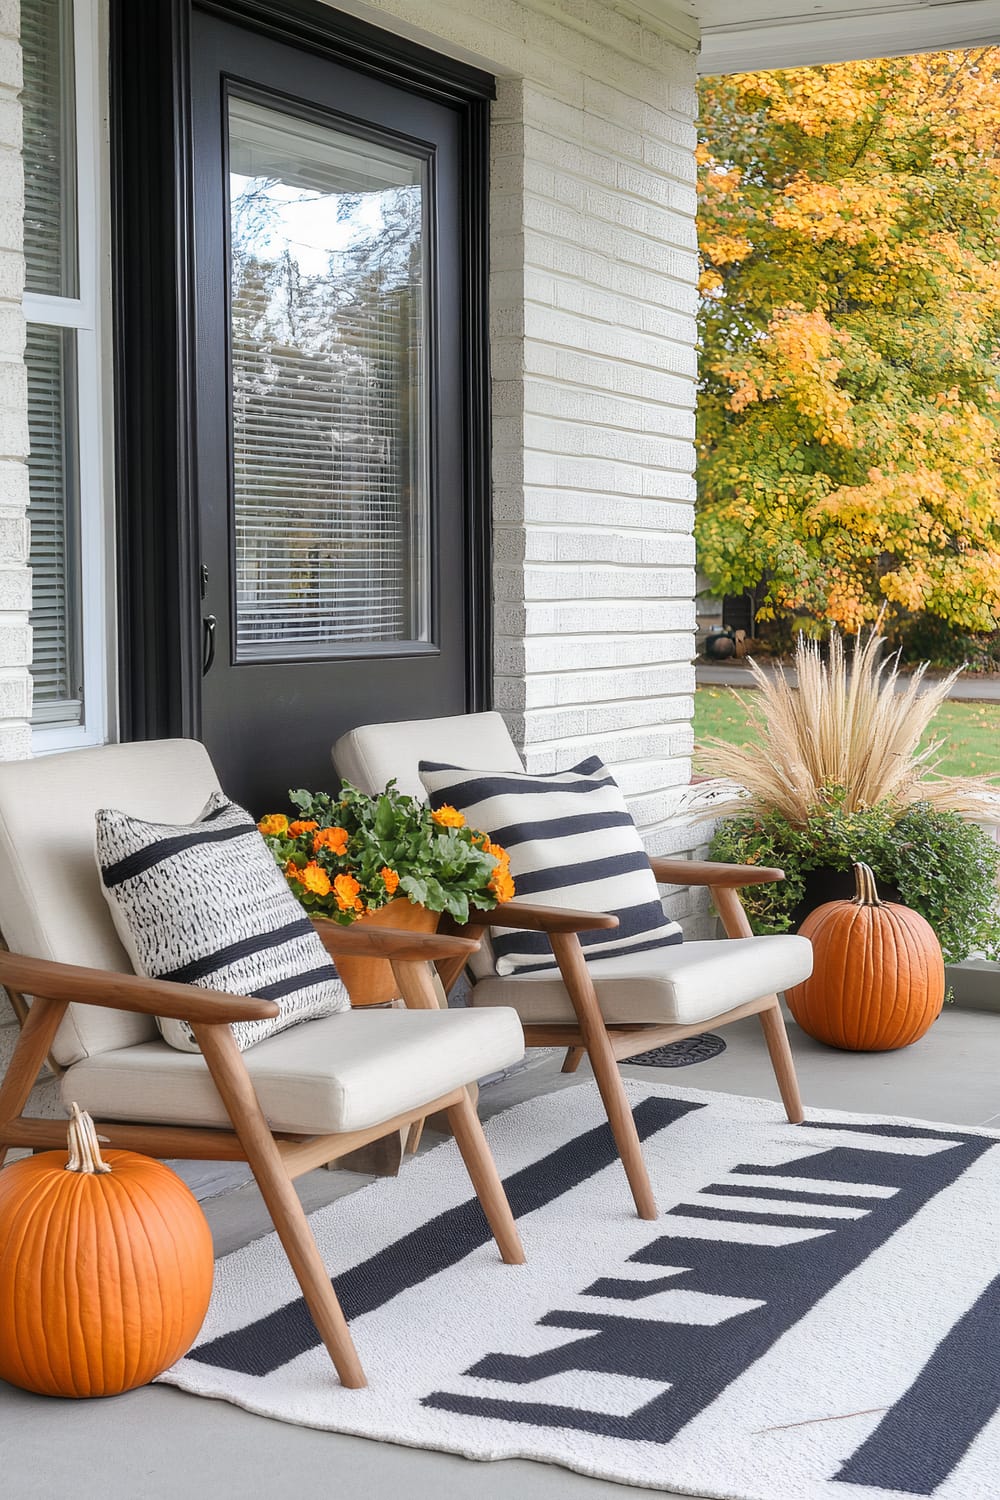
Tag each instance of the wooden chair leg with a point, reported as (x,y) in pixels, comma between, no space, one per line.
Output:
(573,1059)
(776,1037)
(233,1082)
(573,967)
(37,1035)
(482,1169)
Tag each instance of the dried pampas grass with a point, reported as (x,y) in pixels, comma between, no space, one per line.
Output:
(850,735)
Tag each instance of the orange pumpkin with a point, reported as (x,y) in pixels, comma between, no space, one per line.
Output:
(105,1268)
(878,976)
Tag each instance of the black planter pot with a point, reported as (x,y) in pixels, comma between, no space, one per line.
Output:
(828,884)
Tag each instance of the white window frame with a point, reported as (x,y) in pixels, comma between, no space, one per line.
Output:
(83,314)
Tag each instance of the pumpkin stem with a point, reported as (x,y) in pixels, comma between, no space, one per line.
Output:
(84,1149)
(865,890)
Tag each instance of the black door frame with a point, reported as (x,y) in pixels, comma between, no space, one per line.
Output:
(155,334)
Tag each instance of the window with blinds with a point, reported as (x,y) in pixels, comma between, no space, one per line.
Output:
(55,606)
(51,269)
(329,399)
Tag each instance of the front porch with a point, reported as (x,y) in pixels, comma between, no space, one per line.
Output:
(159,1443)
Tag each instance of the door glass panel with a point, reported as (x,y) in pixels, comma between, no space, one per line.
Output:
(328,330)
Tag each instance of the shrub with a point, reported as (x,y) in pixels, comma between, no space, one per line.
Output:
(943,866)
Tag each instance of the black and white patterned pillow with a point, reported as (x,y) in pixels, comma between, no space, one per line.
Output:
(204,903)
(572,843)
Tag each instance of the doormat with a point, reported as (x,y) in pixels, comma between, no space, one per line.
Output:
(813,1317)
(682,1054)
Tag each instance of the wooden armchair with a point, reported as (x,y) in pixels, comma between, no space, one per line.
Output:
(611,1008)
(301,1098)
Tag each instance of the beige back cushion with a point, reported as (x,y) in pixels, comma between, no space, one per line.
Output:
(51,901)
(374,754)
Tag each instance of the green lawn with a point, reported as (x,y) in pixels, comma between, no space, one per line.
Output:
(971,730)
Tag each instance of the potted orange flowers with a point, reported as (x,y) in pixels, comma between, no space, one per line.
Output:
(387,859)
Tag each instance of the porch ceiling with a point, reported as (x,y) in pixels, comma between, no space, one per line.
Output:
(747,35)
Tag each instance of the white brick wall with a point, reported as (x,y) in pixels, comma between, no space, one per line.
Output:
(15,576)
(593,303)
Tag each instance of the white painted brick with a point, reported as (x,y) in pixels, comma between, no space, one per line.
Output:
(12,331)
(10,122)
(14,441)
(620,716)
(14,537)
(584,582)
(10,18)
(596,305)
(577,618)
(15,589)
(10,62)
(15,694)
(581,439)
(573,508)
(542,398)
(672,257)
(558,689)
(11,275)
(569,331)
(15,641)
(553,469)
(606,374)
(554,654)
(13,484)
(15,740)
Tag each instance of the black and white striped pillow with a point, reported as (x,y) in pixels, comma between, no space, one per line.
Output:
(204,903)
(572,843)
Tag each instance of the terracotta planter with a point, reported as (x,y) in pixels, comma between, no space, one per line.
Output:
(370,981)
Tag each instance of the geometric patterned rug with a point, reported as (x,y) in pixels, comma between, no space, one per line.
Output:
(814,1316)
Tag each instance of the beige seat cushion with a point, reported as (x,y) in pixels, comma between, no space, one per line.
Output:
(346,1072)
(683,984)
(372,755)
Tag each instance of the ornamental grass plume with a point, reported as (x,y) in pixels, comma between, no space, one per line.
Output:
(849,736)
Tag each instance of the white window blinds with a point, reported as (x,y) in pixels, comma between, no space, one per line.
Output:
(329,453)
(52,277)
(55,620)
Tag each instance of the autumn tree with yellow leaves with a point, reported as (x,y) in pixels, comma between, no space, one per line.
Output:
(849,411)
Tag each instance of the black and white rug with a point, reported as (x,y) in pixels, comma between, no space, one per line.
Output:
(815,1315)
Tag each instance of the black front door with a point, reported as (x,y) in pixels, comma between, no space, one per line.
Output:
(330,465)
(301,305)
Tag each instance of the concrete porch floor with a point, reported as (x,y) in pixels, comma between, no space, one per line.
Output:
(160,1444)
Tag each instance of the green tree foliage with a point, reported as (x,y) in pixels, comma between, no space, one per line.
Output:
(849,413)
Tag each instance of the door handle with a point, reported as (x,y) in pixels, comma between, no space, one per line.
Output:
(208,644)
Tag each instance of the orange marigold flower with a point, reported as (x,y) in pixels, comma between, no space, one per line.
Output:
(274,825)
(291,870)
(334,839)
(448,817)
(497,850)
(502,883)
(345,889)
(315,879)
(300,826)
(389,879)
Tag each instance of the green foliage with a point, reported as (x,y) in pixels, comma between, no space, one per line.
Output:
(849,411)
(353,853)
(943,867)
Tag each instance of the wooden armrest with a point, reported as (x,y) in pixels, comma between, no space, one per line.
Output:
(707,872)
(358,941)
(541,918)
(134,992)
